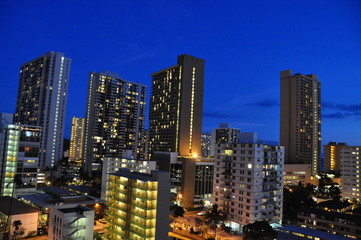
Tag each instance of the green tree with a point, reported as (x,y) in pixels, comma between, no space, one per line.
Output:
(259,230)
(97,236)
(295,197)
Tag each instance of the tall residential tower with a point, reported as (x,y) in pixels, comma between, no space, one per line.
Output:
(176,107)
(76,138)
(41,101)
(114,118)
(300,126)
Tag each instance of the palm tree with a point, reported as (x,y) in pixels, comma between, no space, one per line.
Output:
(19,230)
(214,217)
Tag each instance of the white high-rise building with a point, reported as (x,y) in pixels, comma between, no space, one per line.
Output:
(41,101)
(248,182)
(350,172)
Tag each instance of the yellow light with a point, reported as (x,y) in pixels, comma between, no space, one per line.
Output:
(195,155)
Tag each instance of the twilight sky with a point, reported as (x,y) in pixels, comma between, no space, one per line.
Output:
(245,44)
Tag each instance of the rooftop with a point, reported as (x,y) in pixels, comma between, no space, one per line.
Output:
(45,200)
(332,204)
(314,233)
(17,207)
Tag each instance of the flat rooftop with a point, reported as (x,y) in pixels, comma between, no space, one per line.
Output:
(17,207)
(314,233)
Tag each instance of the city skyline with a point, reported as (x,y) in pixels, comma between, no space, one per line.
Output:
(244,53)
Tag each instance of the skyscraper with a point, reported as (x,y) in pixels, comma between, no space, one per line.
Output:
(76,138)
(300,125)
(41,101)
(176,107)
(114,118)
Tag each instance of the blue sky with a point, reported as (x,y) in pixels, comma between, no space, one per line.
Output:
(245,45)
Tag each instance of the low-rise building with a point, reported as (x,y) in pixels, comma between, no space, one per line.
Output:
(295,173)
(50,197)
(12,210)
(345,224)
(71,222)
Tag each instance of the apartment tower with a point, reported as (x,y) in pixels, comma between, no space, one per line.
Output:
(41,101)
(138,206)
(176,106)
(248,182)
(332,156)
(114,119)
(300,125)
(350,172)
(76,138)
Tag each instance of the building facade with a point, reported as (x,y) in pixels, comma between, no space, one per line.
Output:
(300,125)
(9,147)
(332,156)
(248,182)
(223,134)
(138,205)
(76,139)
(176,106)
(350,172)
(71,222)
(206,144)
(296,173)
(113,165)
(28,159)
(114,118)
(340,223)
(41,101)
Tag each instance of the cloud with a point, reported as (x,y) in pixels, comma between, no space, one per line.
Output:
(336,115)
(267,102)
(219,114)
(342,107)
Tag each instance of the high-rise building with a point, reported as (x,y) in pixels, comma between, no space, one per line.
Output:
(76,138)
(9,146)
(176,106)
(138,205)
(41,101)
(113,165)
(114,118)
(223,134)
(300,125)
(350,172)
(332,156)
(28,159)
(248,182)
(19,156)
(206,144)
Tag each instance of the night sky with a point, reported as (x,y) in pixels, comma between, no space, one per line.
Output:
(245,45)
